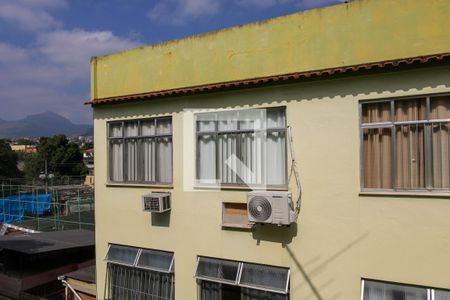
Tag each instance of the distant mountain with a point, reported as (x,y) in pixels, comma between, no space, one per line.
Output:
(44,124)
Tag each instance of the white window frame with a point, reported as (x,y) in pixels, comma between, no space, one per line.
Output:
(430,291)
(216,133)
(238,277)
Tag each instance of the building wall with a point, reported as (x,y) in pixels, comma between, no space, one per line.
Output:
(342,235)
(358,32)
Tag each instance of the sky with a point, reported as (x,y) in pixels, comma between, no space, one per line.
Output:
(46,45)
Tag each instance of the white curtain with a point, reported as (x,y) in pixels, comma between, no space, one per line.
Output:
(148,128)
(207,158)
(227,158)
(374,290)
(164,161)
(248,157)
(116,163)
(132,159)
(441,295)
(149,160)
(276,154)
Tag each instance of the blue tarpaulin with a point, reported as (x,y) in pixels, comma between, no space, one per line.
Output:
(13,208)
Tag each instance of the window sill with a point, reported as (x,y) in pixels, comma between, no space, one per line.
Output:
(238,188)
(237,226)
(414,194)
(139,185)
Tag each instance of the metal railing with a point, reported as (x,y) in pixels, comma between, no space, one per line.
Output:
(47,207)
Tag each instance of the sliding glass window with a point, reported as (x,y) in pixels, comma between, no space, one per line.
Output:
(242,147)
(140,151)
(405,144)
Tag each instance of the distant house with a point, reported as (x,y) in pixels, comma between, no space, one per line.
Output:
(205,129)
(24,148)
(88,159)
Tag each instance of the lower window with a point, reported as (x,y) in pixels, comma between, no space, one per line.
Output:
(132,283)
(220,279)
(135,273)
(378,290)
(218,291)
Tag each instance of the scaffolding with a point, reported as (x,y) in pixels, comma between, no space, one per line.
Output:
(47,207)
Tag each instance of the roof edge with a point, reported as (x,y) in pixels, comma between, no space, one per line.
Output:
(267,80)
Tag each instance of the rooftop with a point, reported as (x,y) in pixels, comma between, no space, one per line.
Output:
(349,34)
(37,243)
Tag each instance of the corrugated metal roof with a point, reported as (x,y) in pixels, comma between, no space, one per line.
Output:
(275,79)
(47,241)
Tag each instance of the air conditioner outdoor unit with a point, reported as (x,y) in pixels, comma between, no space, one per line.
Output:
(271,207)
(156,202)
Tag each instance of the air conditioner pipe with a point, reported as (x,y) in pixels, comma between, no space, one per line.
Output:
(294,172)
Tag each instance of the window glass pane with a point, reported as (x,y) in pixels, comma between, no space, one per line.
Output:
(149,153)
(227,120)
(440,144)
(164,160)
(217,269)
(276,118)
(131,159)
(155,260)
(252,294)
(206,158)
(251,119)
(116,160)
(410,155)
(440,108)
(115,130)
(218,291)
(131,129)
(250,168)
(148,127)
(276,158)
(374,290)
(227,157)
(164,126)
(376,112)
(122,254)
(206,122)
(377,147)
(441,295)
(410,110)
(266,277)
(133,283)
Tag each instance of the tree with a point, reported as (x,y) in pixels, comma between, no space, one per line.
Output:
(63,158)
(8,161)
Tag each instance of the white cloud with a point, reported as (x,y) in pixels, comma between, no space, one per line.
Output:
(53,74)
(10,54)
(179,12)
(31,15)
(72,49)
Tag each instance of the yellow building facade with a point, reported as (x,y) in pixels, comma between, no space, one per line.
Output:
(364,92)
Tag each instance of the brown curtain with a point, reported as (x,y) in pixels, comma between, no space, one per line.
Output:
(410,144)
(376,112)
(410,156)
(377,146)
(440,132)
(410,110)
